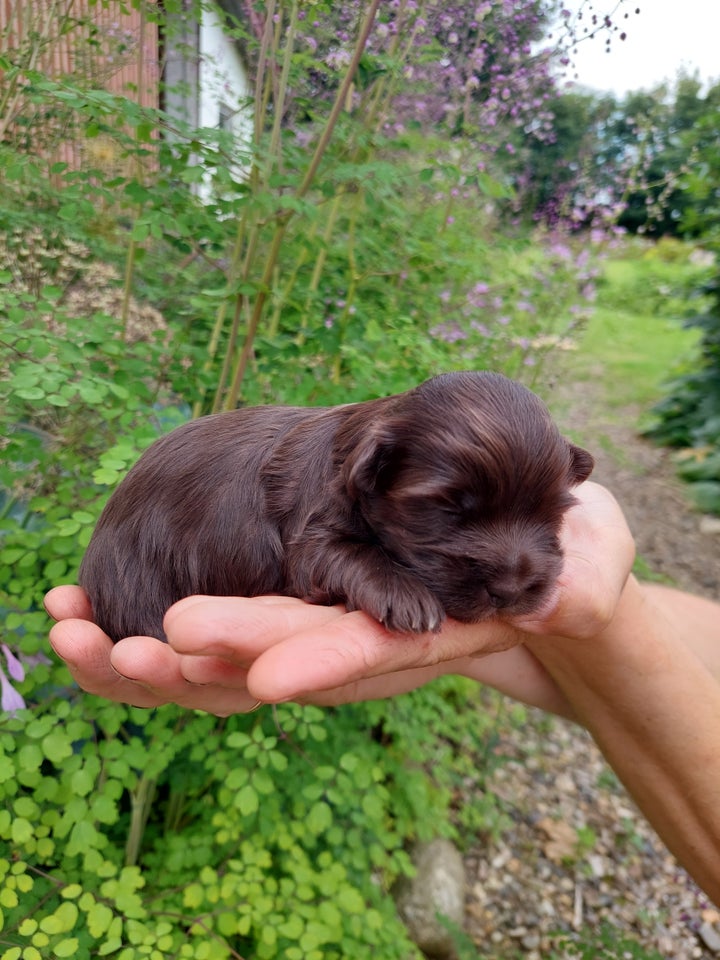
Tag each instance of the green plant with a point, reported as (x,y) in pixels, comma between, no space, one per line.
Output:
(689,415)
(167,834)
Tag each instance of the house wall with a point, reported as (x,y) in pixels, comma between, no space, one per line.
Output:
(205,80)
(106,48)
(223,81)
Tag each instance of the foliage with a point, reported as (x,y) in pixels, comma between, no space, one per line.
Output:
(169,834)
(565,177)
(628,161)
(177,271)
(689,416)
(665,129)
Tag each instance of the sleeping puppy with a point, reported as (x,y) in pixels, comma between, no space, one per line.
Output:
(442,501)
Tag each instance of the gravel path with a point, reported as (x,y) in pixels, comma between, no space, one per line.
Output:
(537,882)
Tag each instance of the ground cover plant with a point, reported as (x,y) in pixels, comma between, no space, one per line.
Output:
(353,245)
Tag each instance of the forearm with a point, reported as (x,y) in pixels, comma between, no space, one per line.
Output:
(517,674)
(653,707)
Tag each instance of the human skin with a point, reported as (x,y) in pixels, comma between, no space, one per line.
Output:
(226,653)
(638,665)
(647,688)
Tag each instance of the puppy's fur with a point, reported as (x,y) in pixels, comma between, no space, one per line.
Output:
(442,501)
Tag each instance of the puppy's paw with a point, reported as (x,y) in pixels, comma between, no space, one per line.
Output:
(404,606)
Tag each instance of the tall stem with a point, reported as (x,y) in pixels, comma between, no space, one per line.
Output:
(246,352)
(284,218)
(340,99)
(127,286)
(141,800)
(283,88)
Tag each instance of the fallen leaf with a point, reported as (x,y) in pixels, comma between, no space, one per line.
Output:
(562,840)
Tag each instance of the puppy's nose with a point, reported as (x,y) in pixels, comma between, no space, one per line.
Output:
(502,598)
(513,586)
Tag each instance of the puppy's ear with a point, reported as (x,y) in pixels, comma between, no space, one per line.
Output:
(372,465)
(581,463)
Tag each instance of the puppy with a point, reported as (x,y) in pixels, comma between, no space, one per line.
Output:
(442,501)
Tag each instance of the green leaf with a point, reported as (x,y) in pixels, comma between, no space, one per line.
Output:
(83,782)
(26,807)
(263,782)
(8,898)
(319,818)
(140,231)
(30,757)
(193,896)
(106,477)
(67,948)
(67,914)
(56,746)
(246,800)
(30,393)
(21,831)
(111,945)
(71,892)
(56,569)
(292,928)
(99,918)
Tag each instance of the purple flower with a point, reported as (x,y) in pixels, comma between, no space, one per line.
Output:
(480,328)
(15,668)
(11,701)
(450,333)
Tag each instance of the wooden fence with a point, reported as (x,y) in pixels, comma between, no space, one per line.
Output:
(102,46)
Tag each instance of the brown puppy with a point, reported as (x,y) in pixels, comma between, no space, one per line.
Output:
(442,501)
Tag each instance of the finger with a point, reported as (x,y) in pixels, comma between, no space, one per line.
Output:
(68,602)
(197,683)
(237,629)
(375,688)
(213,670)
(87,651)
(599,553)
(352,648)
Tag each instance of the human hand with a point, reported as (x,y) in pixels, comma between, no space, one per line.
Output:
(237,632)
(225,653)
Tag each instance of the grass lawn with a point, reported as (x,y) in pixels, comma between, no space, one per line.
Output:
(635,340)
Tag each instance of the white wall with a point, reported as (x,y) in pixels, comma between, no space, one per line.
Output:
(223,80)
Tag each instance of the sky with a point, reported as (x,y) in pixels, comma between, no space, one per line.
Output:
(664,37)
